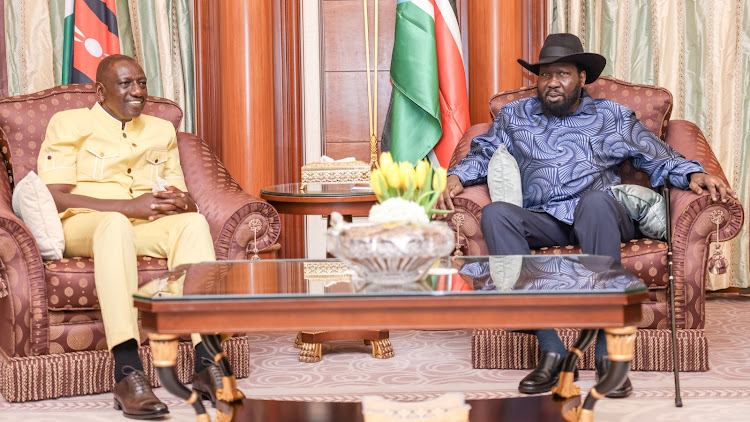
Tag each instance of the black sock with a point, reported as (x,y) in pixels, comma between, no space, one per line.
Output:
(126,359)
(549,341)
(203,357)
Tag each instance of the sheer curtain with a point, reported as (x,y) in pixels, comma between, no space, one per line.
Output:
(157,33)
(700,51)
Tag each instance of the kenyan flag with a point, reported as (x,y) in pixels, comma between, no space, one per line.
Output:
(90,35)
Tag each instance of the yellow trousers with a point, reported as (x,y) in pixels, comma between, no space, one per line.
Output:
(114,242)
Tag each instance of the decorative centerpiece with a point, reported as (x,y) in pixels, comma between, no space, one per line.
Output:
(399,243)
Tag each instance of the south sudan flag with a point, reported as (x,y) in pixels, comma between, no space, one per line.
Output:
(90,35)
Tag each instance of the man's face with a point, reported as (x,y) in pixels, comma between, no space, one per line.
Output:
(559,88)
(122,91)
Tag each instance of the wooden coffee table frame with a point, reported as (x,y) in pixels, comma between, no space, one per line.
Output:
(618,313)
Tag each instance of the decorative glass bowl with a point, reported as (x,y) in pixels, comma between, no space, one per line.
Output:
(391,254)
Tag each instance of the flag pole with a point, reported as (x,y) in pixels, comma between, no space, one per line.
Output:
(370,113)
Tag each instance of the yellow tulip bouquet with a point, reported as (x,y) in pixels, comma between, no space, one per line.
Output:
(406,193)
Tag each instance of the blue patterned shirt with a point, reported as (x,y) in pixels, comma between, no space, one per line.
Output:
(561,158)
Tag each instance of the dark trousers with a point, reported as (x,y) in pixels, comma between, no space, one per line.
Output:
(600,225)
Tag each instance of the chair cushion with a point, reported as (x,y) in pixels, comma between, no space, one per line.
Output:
(644,258)
(70,281)
(504,178)
(34,205)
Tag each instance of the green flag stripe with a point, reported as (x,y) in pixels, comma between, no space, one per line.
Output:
(67,64)
(415,116)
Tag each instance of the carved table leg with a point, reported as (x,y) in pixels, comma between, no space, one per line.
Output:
(164,349)
(620,346)
(310,343)
(228,398)
(565,387)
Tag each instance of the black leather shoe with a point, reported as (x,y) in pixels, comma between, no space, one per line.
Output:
(544,377)
(624,390)
(207,381)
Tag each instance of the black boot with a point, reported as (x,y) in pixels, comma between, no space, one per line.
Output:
(544,377)
(624,390)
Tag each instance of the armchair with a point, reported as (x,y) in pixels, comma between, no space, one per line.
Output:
(691,227)
(52,341)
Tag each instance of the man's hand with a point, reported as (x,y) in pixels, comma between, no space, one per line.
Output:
(149,206)
(716,187)
(453,187)
(171,201)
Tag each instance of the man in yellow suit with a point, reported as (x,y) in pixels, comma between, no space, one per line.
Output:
(101,165)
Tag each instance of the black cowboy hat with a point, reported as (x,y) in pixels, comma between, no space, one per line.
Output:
(567,48)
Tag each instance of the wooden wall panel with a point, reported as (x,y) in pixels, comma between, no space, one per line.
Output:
(246,64)
(346,106)
(235,86)
(344,38)
(344,70)
(287,38)
(534,31)
(495,42)
(206,45)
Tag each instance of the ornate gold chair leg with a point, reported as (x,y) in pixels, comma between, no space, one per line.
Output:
(382,349)
(310,352)
(620,346)
(229,397)
(565,387)
(164,349)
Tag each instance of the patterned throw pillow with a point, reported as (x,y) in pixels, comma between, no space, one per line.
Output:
(646,207)
(504,178)
(33,204)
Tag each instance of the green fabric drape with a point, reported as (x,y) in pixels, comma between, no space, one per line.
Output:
(143,21)
(700,51)
(161,42)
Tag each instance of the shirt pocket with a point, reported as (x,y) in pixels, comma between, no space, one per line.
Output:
(57,161)
(156,161)
(97,160)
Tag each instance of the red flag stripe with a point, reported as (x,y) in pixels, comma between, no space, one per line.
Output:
(92,28)
(454,100)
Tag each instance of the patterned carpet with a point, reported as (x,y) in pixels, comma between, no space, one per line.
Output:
(428,363)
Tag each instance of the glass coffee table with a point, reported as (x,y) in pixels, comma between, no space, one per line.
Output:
(574,291)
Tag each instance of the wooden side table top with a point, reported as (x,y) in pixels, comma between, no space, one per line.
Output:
(320,199)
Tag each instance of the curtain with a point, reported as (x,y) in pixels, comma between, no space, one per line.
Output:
(157,33)
(700,51)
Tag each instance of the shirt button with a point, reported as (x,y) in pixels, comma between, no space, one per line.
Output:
(129,170)
(134,145)
(124,135)
(49,157)
(130,190)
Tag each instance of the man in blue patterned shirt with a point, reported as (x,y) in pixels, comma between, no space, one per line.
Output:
(568,147)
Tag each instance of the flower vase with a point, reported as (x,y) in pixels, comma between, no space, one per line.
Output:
(391,253)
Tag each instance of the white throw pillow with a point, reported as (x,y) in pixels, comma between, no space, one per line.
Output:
(33,204)
(504,178)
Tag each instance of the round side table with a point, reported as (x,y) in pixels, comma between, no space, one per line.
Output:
(349,199)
